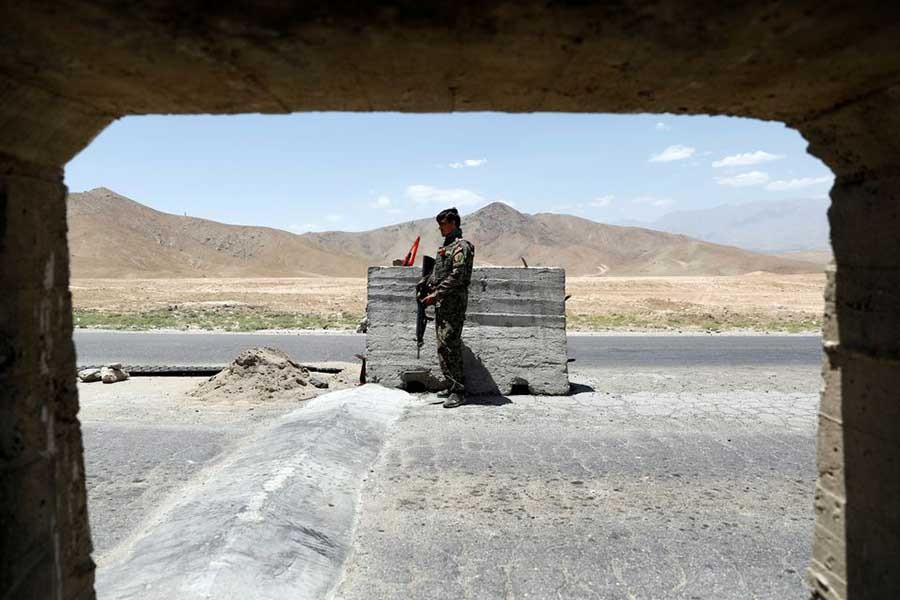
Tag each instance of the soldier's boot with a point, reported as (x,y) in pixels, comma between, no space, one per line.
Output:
(444,393)
(454,399)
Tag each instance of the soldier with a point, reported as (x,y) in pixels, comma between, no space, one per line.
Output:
(449,285)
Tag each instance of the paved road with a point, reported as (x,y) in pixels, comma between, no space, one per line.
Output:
(98,347)
(273,520)
(647,483)
(131,470)
(187,349)
(598,495)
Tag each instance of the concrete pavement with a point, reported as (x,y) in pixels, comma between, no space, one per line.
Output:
(604,494)
(647,483)
(271,520)
(134,468)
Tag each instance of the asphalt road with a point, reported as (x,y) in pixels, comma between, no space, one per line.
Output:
(187,349)
(646,483)
(132,469)
(620,496)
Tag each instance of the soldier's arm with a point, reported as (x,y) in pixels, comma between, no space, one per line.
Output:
(457,273)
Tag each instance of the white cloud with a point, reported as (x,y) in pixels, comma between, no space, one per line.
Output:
(572,206)
(602,201)
(656,201)
(334,218)
(748,158)
(676,152)
(425,194)
(468,163)
(660,126)
(744,179)
(381,202)
(796,184)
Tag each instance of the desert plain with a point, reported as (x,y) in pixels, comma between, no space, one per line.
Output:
(757,301)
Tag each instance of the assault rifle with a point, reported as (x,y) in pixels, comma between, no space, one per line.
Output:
(422,290)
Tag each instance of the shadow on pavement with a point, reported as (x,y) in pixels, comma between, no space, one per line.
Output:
(579,388)
(488,400)
(482,400)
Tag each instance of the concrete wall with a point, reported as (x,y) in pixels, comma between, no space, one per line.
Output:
(45,544)
(829,69)
(515,331)
(857,539)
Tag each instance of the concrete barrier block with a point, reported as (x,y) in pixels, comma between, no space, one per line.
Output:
(514,336)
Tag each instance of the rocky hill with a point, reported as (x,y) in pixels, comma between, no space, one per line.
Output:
(502,236)
(113,236)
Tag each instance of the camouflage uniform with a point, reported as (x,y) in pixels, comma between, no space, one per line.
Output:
(450,284)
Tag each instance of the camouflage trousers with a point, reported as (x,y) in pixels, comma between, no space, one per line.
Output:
(449,325)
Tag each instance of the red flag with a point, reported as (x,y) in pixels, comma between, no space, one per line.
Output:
(410,259)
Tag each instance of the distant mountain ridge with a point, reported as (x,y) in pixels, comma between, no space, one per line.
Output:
(781,226)
(113,236)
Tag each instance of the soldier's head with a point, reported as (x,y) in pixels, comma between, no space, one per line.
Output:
(448,220)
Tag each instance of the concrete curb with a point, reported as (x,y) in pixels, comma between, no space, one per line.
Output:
(275,519)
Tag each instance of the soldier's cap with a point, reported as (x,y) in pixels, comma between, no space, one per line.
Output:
(448,214)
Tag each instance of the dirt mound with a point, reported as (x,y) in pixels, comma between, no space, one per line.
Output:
(258,374)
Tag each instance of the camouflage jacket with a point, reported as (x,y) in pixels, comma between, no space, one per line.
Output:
(453,269)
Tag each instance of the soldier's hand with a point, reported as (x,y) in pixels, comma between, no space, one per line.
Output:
(429,300)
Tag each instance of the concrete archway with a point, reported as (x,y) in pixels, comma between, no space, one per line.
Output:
(828,69)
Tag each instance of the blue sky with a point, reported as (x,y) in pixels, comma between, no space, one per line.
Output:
(357,171)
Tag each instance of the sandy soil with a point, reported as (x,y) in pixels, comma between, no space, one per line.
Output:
(300,294)
(756,300)
(764,294)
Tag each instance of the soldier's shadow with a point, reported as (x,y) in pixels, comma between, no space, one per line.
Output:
(482,400)
(488,400)
(484,392)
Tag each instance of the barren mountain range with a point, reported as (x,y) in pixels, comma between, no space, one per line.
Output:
(502,236)
(113,236)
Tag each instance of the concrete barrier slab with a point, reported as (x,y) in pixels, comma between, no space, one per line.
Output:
(514,335)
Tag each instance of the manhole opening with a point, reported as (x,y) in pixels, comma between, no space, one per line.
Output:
(415,381)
